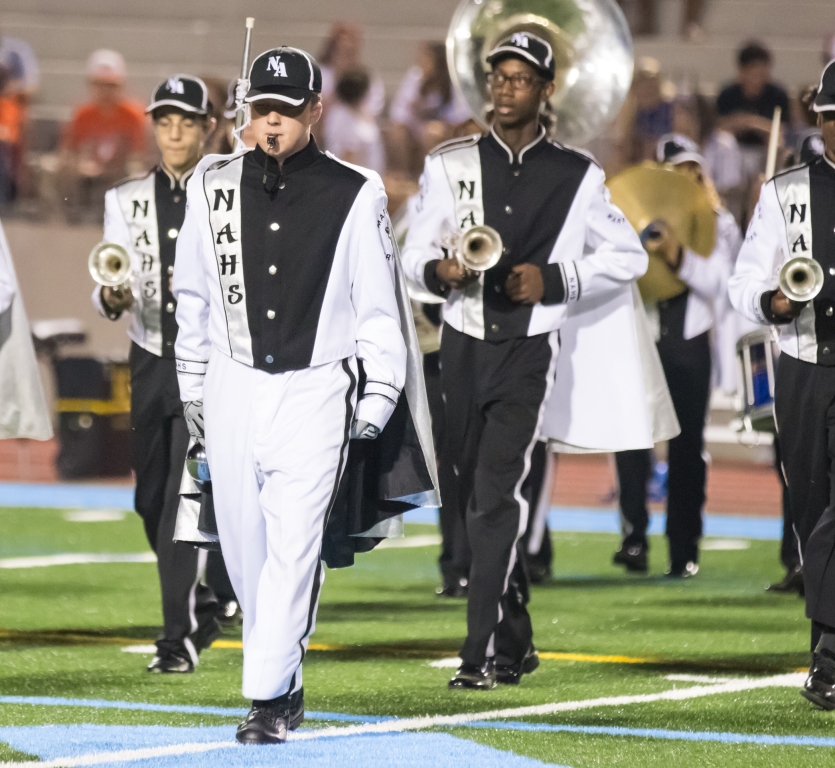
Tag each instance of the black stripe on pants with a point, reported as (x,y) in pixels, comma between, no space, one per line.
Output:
(159,441)
(494,393)
(804,406)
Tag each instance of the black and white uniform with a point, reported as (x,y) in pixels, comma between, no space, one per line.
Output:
(282,285)
(684,325)
(144,215)
(498,358)
(795,216)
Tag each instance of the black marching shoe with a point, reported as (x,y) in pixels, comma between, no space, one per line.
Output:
(206,634)
(633,557)
(682,570)
(229,614)
(792,582)
(474,678)
(820,685)
(171,662)
(269,721)
(511,674)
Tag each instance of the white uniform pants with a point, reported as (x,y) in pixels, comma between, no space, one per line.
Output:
(276,445)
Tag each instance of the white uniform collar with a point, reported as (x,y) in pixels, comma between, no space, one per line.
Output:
(173,179)
(539,137)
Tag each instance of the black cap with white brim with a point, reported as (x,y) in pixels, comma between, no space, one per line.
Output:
(183,92)
(284,74)
(825,100)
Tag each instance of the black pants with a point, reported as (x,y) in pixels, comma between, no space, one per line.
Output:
(159,444)
(539,557)
(494,394)
(804,406)
(634,468)
(686,366)
(454,561)
(789,550)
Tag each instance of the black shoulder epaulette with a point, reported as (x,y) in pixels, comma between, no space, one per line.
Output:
(134,177)
(581,153)
(460,143)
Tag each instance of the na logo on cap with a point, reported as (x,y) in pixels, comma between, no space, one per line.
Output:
(275,63)
(520,39)
(175,85)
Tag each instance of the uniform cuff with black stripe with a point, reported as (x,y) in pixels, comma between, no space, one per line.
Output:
(562,284)
(430,278)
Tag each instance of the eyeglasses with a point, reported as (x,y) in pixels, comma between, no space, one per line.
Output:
(518,82)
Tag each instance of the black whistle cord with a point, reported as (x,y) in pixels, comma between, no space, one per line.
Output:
(279,181)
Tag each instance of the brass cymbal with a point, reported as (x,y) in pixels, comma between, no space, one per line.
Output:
(650,192)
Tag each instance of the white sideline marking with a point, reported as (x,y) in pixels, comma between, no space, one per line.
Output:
(452,663)
(430,540)
(681,678)
(95,515)
(724,545)
(76,558)
(420,723)
(146,649)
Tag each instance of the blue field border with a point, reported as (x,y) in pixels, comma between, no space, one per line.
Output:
(592,730)
(576,519)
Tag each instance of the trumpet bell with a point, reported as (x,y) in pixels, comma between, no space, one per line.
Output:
(801,279)
(109,265)
(479,249)
(592,50)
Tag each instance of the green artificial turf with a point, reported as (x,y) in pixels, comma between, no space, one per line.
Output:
(62,628)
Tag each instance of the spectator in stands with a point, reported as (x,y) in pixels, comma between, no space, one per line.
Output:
(350,132)
(10,124)
(342,52)
(828,52)
(645,18)
(105,140)
(424,111)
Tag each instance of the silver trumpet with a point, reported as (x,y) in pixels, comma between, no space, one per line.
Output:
(477,249)
(801,279)
(109,266)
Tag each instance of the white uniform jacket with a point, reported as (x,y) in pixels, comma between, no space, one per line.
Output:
(226,297)
(147,228)
(780,229)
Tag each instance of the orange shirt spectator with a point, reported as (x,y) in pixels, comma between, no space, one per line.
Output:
(107,134)
(11,116)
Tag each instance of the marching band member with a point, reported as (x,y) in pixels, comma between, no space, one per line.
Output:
(284,280)
(795,216)
(685,323)
(564,243)
(145,215)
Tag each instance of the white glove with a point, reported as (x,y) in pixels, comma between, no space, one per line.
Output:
(362,430)
(193,412)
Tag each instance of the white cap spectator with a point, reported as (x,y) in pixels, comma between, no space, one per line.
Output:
(106,66)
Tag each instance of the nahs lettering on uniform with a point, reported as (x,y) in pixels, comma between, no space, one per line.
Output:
(144,215)
(289,275)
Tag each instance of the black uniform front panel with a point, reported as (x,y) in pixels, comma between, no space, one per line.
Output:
(171,211)
(290,227)
(527,204)
(822,199)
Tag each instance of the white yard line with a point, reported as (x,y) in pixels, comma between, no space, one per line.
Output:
(420,723)
(76,558)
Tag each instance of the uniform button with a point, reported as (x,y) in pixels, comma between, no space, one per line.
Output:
(171,270)
(272,270)
(832,270)
(169,343)
(494,327)
(497,288)
(516,173)
(270,314)
(826,350)
(508,210)
(829,311)
(177,198)
(663,330)
(505,251)
(268,358)
(172,233)
(274,226)
(169,307)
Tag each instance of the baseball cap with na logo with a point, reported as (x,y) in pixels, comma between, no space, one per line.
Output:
(286,74)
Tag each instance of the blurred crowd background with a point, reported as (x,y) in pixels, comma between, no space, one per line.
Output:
(73,88)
